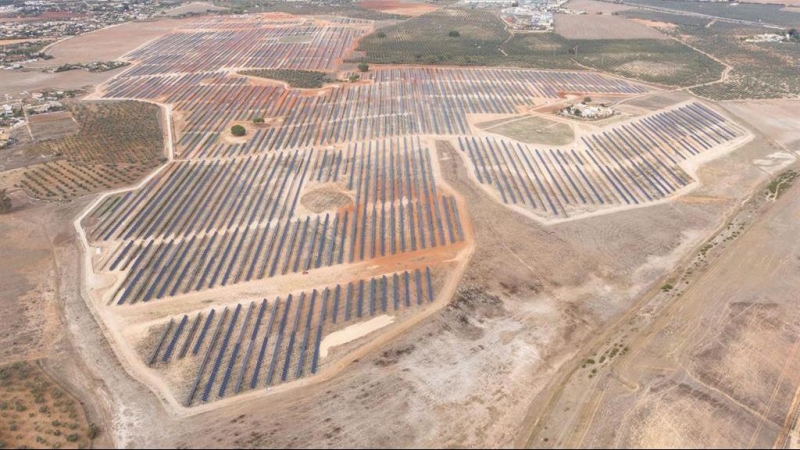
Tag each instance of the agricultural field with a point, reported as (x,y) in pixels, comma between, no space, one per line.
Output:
(483,41)
(595,6)
(426,40)
(531,130)
(194,8)
(774,14)
(585,27)
(37,413)
(404,8)
(52,125)
(303,79)
(760,70)
(111,145)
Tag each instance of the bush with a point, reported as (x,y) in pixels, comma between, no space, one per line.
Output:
(454,34)
(380,34)
(587,99)
(354,77)
(5,202)
(363,67)
(238,130)
(93,432)
(258,120)
(72,438)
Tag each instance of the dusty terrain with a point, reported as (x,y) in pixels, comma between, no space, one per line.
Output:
(587,27)
(108,43)
(15,81)
(716,366)
(594,7)
(398,7)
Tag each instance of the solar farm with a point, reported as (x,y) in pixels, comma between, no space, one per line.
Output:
(239,264)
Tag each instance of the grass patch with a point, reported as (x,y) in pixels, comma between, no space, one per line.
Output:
(531,130)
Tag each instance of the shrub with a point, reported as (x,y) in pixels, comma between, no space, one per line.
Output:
(454,34)
(258,120)
(363,67)
(5,202)
(72,437)
(380,34)
(238,130)
(93,432)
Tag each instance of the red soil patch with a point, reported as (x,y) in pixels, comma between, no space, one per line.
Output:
(57,15)
(398,7)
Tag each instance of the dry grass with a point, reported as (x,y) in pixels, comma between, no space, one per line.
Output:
(52,125)
(531,130)
(586,27)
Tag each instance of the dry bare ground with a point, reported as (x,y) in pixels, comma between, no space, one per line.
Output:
(102,45)
(108,43)
(590,27)
(594,7)
(718,367)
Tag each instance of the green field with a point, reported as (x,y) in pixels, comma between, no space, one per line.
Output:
(426,40)
(531,130)
(304,79)
(760,71)
(770,14)
(483,41)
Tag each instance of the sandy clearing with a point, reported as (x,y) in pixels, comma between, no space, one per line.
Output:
(352,333)
(777,119)
(594,7)
(108,43)
(4,42)
(13,82)
(398,7)
(592,27)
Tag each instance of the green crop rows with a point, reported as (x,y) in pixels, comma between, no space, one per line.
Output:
(760,70)
(483,41)
(304,79)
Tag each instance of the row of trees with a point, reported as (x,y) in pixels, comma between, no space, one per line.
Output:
(5,202)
